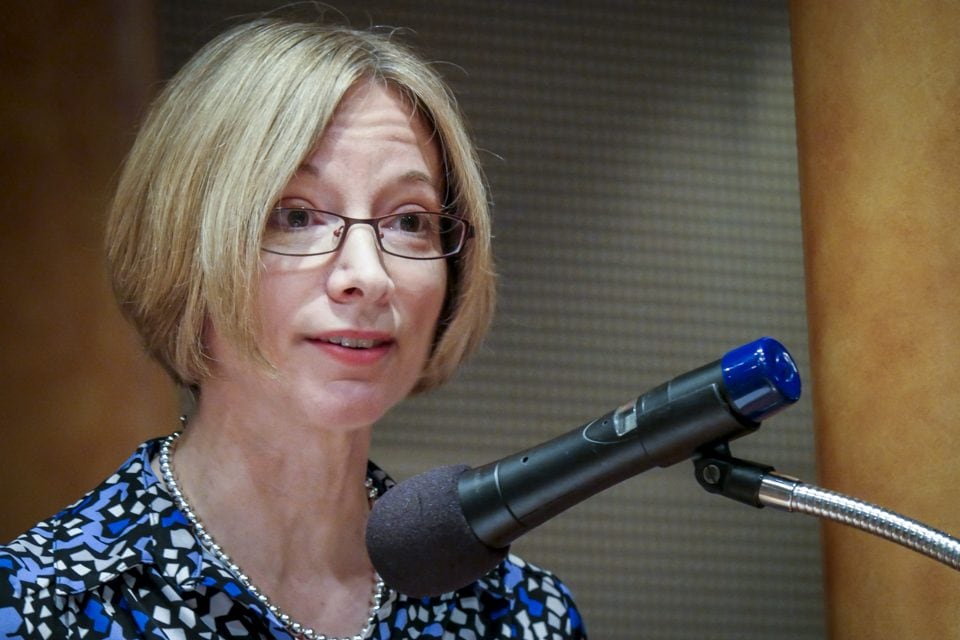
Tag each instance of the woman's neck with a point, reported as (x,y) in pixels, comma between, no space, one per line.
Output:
(293,483)
(285,500)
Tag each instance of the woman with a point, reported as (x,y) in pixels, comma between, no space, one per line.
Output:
(300,235)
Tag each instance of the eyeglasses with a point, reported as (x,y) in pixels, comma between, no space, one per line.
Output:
(417,235)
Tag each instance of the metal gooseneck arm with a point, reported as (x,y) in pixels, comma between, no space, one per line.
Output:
(760,486)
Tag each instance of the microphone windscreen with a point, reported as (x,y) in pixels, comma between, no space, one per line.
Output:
(420,541)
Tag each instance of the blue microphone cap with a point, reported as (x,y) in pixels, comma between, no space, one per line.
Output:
(761,378)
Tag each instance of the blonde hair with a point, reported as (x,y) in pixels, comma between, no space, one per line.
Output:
(219,145)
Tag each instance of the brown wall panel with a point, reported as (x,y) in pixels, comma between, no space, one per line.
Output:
(77,392)
(878,117)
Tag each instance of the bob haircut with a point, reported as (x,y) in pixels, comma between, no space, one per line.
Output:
(219,145)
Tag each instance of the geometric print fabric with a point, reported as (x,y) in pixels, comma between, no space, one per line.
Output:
(124,562)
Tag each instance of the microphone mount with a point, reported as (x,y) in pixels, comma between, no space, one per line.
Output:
(758,485)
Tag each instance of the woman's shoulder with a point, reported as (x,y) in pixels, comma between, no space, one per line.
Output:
(515,576)
(57,552)
(520,599)
(27,561)
(27,577)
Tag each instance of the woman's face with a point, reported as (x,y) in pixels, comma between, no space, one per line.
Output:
(349,332)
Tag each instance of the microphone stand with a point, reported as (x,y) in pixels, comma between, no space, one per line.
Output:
(760,486)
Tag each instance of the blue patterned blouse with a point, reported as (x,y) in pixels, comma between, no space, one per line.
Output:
(123,562)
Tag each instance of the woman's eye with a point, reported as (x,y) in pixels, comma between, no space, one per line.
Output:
(415,223)
(296,218)
(410,223)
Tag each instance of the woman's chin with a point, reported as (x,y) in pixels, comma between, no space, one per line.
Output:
(354,403)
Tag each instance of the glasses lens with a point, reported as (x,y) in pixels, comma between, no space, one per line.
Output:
(304,232)
(421,235)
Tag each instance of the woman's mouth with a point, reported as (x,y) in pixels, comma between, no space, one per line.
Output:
(354,343)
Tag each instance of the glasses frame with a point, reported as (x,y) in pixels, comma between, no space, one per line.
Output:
(374,223)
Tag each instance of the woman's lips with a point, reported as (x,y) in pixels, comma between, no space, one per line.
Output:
(354,343)
(354,349)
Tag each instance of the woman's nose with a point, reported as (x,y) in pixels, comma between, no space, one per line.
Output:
(359,273)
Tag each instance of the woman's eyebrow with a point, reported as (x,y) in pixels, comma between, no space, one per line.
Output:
(307,167)
(415,176)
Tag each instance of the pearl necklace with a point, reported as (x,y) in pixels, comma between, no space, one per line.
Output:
(295,628)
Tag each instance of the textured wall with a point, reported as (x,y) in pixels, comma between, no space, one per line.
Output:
(642,162)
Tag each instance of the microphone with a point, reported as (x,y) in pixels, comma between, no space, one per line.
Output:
(443,529)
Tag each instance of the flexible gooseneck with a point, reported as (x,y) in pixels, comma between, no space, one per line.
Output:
(760,486)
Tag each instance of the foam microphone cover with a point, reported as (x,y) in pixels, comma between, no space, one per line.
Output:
(419,540)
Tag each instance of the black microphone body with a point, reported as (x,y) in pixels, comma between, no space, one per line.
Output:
(503,500)
(445,528)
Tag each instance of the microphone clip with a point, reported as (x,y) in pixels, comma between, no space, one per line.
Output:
(719,472)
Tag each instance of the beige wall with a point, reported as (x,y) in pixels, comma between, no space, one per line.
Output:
(878,120)
(77,393)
